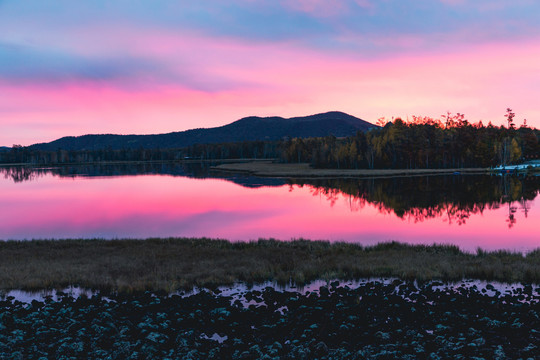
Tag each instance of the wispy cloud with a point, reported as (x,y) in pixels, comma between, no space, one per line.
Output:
(105,66)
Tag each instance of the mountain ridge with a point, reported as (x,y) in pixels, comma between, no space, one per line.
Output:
(251,128)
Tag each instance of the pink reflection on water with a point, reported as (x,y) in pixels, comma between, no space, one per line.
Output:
(162,206)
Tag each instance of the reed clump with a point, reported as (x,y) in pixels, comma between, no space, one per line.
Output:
(169,264)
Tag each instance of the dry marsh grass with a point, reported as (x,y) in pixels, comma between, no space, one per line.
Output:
(266,168)
(175,263)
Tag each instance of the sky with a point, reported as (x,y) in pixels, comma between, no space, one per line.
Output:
(141,67)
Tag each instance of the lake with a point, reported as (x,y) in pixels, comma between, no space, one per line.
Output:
(181,200)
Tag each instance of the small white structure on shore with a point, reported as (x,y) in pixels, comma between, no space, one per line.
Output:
(535,164)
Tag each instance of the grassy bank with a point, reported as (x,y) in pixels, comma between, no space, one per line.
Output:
(304,170)
(170,264)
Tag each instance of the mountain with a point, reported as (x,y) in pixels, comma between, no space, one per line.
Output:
(247,129)
(4,148)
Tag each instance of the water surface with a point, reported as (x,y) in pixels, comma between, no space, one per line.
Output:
(163,200)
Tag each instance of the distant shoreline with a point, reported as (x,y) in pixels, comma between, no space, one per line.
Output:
(181,161)
(180,263)
(303,170)
(271,168)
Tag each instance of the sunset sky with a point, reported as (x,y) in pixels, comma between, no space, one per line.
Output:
(136,67)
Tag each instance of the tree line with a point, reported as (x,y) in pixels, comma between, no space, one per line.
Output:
(422,142)
(240,150)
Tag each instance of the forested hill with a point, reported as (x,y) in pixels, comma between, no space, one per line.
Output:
(247,129)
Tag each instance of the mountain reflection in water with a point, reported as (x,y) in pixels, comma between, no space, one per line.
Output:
(198,170)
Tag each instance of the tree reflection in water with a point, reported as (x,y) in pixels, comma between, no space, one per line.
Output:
(453,198)
(21,173)
(29,173)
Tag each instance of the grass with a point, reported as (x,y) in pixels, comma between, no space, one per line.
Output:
(175,263)
(304,170)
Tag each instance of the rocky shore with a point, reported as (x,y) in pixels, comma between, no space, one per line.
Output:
(377,320)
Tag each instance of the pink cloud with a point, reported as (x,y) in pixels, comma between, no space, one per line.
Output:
(229,79)
(325,8)
(318,8)
(453,2)
(367,4)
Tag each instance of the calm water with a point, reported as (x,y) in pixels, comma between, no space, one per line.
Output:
(166,200)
